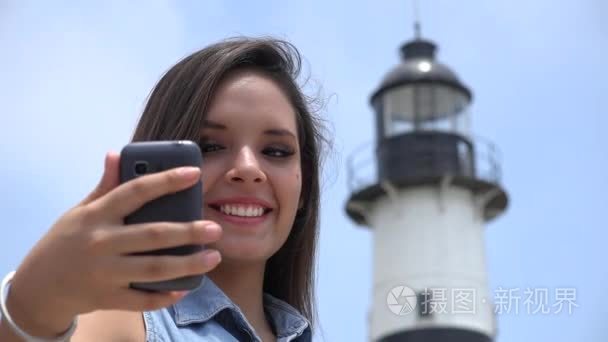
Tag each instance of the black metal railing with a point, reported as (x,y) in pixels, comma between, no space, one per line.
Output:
(362,162)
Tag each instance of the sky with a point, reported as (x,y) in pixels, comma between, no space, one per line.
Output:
(74,78)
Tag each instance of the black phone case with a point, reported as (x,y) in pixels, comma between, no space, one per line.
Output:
(183,206)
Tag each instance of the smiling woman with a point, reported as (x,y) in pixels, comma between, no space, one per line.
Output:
(252,163)
(240,101)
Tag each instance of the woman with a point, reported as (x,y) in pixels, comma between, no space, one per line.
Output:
(260,142)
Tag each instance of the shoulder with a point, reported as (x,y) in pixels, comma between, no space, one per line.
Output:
(205,313)
(288,322)
(208,313)
(161,326)
(110,325)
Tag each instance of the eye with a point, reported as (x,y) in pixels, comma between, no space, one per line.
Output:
(209,146)
(278,152)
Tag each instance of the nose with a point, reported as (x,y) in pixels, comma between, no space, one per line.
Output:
(246,168)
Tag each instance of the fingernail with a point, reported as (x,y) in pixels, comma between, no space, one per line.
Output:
(211,257)
(188,172)
(211,227)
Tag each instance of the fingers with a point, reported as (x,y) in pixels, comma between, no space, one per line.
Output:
(130,196)
(109,180)
(149,268)
(150,236)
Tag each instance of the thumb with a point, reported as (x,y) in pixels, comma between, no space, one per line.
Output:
(109,180)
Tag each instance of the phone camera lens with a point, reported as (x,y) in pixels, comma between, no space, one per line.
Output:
(141,168)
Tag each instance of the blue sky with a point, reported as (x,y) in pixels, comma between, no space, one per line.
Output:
(74,79)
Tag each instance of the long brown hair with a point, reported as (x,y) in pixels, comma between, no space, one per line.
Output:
(177,107)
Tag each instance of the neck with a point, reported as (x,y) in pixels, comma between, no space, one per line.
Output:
(244,285)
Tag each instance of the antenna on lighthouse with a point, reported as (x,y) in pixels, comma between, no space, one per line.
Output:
(416,19)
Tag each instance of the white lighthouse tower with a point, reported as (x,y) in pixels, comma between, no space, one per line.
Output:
(434,188)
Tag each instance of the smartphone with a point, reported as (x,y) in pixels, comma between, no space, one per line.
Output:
(142,158)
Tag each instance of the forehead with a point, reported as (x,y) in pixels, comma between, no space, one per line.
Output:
(249,97)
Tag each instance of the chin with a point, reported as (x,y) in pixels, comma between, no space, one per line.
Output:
(245,251)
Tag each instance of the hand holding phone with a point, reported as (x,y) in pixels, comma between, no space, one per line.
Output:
(142,158)
(85,258)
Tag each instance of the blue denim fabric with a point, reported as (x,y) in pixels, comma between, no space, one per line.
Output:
(207,314)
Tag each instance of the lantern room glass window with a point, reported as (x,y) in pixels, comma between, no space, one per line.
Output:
(428,107)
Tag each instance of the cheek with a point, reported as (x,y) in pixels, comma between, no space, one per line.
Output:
(209,176)
(297,188)
(288,187)
(298,181)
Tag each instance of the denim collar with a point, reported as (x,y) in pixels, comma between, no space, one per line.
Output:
(208,300)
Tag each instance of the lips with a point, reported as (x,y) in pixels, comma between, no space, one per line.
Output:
(241,207)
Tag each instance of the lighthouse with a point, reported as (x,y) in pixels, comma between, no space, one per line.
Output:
(433,187)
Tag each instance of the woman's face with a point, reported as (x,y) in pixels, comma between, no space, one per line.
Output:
(251,166)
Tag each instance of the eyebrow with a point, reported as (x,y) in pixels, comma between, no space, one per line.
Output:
(273,131)
(212,124)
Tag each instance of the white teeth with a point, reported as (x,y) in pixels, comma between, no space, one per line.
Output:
(242,210)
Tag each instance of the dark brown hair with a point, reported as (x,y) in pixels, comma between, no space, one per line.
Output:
(177,106)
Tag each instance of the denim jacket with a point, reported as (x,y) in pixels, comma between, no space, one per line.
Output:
(207,314)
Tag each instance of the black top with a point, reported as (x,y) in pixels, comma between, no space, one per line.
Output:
(409,72)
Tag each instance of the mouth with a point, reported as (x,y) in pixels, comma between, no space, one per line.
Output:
(241,210)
